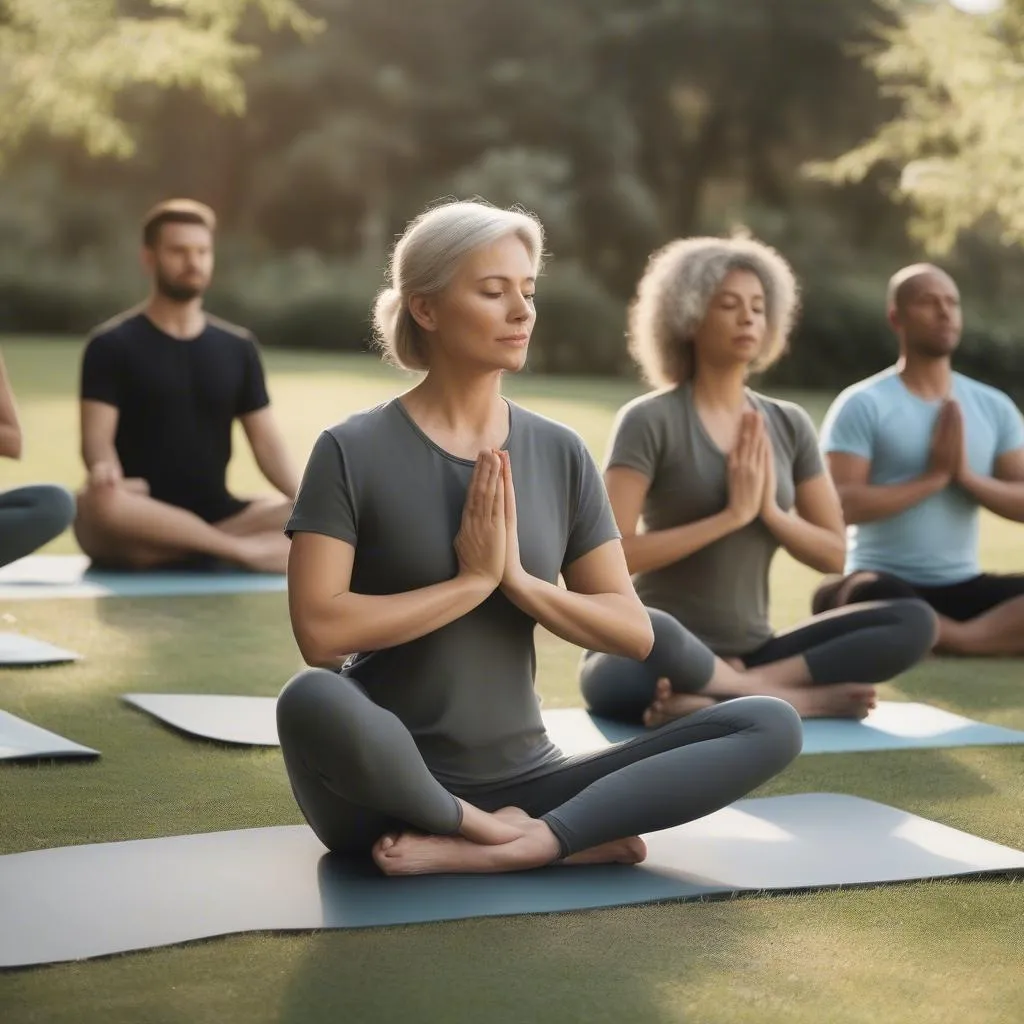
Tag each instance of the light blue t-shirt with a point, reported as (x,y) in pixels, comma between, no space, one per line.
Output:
(935,542)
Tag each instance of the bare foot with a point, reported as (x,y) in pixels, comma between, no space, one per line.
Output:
(840,700)
(264,552)
(619,851)
(632,850)
(413,854)
(667,706)
(736,663)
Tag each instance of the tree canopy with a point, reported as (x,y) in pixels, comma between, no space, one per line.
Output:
(63,63)
(958,138)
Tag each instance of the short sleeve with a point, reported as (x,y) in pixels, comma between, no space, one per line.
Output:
(324,503)
(849,426)
(635,443)
(807,461)
(593,523)
(1009,426)
(102,371)
(253,395)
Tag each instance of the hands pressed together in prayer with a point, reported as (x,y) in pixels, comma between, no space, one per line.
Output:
(487,544)
(751,472)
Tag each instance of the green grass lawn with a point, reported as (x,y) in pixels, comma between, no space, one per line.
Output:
(943,951)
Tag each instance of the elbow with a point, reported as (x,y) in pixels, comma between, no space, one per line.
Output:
(639,643)
(11,444)
(317,649)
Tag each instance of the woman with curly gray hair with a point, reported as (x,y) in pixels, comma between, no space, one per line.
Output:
(721,476)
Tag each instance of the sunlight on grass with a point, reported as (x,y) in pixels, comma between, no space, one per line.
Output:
(921,952)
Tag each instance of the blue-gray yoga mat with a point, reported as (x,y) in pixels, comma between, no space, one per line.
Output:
(891,726)
(50,576)
(21,740)
(22,651)
(93,900)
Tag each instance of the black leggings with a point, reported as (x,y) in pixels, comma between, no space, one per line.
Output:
(31,517)
(356,772)
(869,643)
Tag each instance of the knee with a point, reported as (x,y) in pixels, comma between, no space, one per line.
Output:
(56,508)
(919,627)
(319,705)
(776,722)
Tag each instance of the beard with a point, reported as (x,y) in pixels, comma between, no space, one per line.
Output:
(935,346)
(177,291)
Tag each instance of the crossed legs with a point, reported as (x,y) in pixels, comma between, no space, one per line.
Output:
(122,526)
(825,667)
(337,744)
(979,617)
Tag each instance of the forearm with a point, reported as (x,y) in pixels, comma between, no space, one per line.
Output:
(864,503)
(10,427)
(1003,497)
(95,451)
(648,551)
(612,623)
(814,546)
(276,465)
(350,622)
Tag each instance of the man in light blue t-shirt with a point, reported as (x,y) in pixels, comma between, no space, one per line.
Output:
(914,452)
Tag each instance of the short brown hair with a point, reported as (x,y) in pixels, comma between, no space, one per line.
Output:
(175,211)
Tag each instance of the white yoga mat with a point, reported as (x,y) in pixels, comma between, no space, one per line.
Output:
(93,900)
(891,726)
(51,576)
(19,651)
(21,740)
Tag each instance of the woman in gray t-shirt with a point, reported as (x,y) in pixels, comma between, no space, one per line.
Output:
(720,477)
(428,537)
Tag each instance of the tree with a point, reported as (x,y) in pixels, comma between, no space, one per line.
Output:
(958,139)
(63,63)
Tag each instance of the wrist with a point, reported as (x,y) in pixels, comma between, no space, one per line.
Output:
(477,584)
(771,514)
(731,520)
(936,480)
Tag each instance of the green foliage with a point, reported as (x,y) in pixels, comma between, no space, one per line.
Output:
(958,139)
(63,63)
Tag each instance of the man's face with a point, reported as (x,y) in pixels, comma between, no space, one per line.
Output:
(181,261)
(928,315)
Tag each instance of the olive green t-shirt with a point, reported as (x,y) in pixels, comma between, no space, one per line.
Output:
(464,691)
(719,593)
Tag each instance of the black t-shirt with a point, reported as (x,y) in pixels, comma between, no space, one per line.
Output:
(177,401)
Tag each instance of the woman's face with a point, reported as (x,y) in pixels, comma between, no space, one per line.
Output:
(736,324)
(485,316)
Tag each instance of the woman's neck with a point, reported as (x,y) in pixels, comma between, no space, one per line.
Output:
(722,391)
(461,406)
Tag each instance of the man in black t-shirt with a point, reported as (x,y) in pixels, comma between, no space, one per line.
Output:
(161,387)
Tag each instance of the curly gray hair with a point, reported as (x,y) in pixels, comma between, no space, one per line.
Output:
(676,290)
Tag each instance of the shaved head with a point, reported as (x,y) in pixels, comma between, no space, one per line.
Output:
(905,283)
(923,305)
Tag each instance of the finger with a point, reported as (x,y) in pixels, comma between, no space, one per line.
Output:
(490,487)
(473,491)
(510,492)
(499,506)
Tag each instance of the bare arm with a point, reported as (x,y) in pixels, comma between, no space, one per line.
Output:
(330,621)
(813,532)
(1002,493)
(270,451)
(599,610)
(99,428)
(645,552)
(864,503)
(10,427)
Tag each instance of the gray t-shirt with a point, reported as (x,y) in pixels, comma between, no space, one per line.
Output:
(465,691)
(720,593)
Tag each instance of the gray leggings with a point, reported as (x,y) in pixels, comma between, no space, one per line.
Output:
(356,772)
(32,516)
(867,643)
